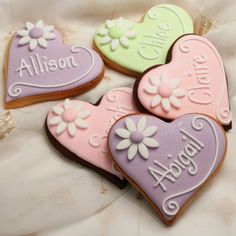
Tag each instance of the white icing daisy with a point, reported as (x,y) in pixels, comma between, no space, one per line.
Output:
(117,32)
(166,92)
(36,35)
(137,138)
(69,117)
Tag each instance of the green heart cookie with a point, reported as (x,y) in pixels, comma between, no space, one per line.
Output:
(134,47)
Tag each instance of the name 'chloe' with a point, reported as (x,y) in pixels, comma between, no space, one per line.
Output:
(150,49)
(183,161)
(36,65)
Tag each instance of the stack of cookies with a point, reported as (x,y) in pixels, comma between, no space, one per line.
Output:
(166,136)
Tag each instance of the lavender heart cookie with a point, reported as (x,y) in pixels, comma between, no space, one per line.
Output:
(167,162)
(40,67)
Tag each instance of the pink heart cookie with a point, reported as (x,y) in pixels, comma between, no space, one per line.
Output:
(79,130)
(193,81)
(41,68)
(167,162)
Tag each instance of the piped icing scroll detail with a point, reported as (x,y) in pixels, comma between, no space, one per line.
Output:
(169,205)
(82,128)
(112,96)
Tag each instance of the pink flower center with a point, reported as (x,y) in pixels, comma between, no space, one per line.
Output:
(136,137)
(165,91)
(69,115)
(36,33)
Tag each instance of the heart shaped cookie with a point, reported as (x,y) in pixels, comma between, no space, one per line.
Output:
(40,67)
(79,130)
(193,81)
(167,162)
(131,48)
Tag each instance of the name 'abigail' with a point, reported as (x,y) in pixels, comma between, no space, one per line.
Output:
(184,161)
(36,65)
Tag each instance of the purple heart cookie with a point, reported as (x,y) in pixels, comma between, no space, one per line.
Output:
(167,162)
(40,67)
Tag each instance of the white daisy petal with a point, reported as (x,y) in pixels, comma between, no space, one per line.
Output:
(103,32)
(165,104)
(151,130)
(29,25)
(55,120)
(119,22)
(154,80)
(24,41)
(114,44)
(179,93)
(109,24)
(130,34)
(67,104)
(84,114)
(132,151)
(123,133)
(81,123)
(72,129)
(124,41)
(150,142)
(49,36)
(175,102)
(151,89)
(130,125)
(48,28)
(33,44)
(39,24)
(143,151)
(61,127)
(42,42)
(127,26)
(105,40)
(164,78)
(58,110)
(79,106)
(22,32)
(125,143)
(141,124)
(174,83)
(156,101)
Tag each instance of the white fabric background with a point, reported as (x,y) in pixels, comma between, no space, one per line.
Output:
(43,194)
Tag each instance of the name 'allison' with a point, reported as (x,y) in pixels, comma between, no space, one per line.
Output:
(38,65)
